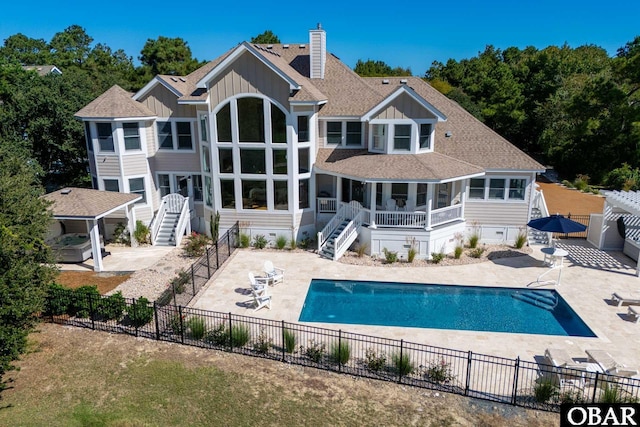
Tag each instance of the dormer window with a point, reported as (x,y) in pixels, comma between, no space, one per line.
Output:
(425,136)
(402,137)
(347,134)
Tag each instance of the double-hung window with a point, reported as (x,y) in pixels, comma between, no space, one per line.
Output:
(496,188)
(165,135)
(131,134)
(136,186)
(402,137)
(379,136)
(354,133)
(334,133)
(105,137)
(185,141)
(517,188)
(111,185)
(425,136)
(175,135)
(476,188)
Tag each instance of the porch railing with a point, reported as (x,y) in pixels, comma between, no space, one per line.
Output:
(326,205)
(344,239)
(156,222)
(184,223)
(444,215)
(401,219)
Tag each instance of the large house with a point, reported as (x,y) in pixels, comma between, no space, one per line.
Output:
(288,141)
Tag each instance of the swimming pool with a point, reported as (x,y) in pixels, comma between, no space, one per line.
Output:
(474,308)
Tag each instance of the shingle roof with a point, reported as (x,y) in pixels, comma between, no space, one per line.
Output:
(374,166)
(86,203)
(115,102)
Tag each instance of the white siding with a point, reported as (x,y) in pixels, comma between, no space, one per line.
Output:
(404,107)
(108,166)
(134,164)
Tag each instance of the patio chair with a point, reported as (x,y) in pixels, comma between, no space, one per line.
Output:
(410,205)
(609,364)
(620,300)
(568,372)
(633,314)
(274,274)
(261,300)
(391,204)
(259,285)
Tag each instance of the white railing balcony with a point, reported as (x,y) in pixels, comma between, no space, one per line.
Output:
(444,215)
(326,205)
(401,219)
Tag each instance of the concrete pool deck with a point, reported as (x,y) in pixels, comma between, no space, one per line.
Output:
(589,277)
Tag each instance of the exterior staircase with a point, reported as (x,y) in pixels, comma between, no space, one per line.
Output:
(328,249)
(167,232)
(537,237)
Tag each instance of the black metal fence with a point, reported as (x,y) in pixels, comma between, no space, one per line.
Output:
(582,219)
(187,284)
(509,381)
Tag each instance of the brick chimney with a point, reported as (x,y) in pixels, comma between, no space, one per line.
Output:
(317,52)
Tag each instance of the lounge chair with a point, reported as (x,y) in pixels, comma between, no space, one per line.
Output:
(410,205)
(620,300)
(391,204)
(633,313)
(274,274)
(259,285)
(567,371)
(261,300)
(609,365)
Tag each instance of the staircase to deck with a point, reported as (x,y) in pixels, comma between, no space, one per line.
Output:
(537,237)
(167,232)
(328,250)
(341,231)
(171,222)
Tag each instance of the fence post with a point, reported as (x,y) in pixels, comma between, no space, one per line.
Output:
(155,315)
(340,350)
(173,288)
(208,266)
(284,356)
(228,244)
(217,256)
(230,335)
(181,324)
(595,388)
(515,380)
(400,364)
(91,313)
(468,381)
(193,280)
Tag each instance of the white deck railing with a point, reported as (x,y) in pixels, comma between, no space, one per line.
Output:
(156,222)
(347,236)
(401,219)
(326,204)
(184,223)
(444,215)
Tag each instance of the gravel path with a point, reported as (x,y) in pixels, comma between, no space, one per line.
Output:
(151,282)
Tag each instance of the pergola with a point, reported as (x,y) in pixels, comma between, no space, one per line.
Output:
(83,204)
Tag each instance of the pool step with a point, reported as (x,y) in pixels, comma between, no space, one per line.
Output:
(544,300)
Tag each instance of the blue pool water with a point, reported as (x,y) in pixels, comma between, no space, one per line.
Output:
(516,310)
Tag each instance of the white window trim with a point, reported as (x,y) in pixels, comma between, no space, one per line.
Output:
(205,117)
(414,147)
(505,199)
(141,133)
(147,190)
(173,186)
(110,178)
(343,134)
(174,134)
(96,140)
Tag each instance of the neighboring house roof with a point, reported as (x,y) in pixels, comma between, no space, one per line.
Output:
(114,103)
(385,167)
(43,70)
(84,203)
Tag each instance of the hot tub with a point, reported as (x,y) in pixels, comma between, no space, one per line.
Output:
(71,247)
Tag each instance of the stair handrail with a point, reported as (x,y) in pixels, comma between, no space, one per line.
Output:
(184,223)
(156,222)
(328,229)
(343,240)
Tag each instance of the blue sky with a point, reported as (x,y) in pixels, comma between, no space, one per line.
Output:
(407,34)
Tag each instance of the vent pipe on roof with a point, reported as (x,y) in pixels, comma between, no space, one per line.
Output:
(385,81)
(317,52)
(285,46)
(403,81)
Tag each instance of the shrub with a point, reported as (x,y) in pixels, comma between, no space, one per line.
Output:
(476,253)
(289,341)
(314,351)
(402,364)
(623,178)
(373,361)
(521,239)
(582,182)
(437,257)
(390,256)
(572,396)
(614,394)
(218,336)
(197,327)
(259,241)
(439,372)
(473,240)
(179,283)
(121,234)
(141,233)
(59,299)
(140,312)
(411,253)
(245,240)
(176,323)
(544,391)
(361,249)
(240,335)
(281,242)
(293,243)
(111,307)
(84,298)
(457,252)
(196,244)
(340,352)
(214,226)
(263,343)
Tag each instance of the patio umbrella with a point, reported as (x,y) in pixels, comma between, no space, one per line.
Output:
(556,224)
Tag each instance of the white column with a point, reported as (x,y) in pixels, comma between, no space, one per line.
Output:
(372,197)
(430,190)
(338,192)
(94,233)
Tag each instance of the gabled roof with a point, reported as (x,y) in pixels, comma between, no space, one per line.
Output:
(43,70)
(388,167)
(399,91)
(114,103)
